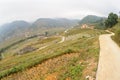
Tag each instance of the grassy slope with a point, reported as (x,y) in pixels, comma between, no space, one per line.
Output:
(86,46)
(10,51)
(34,42)
(116,30)
(41,31)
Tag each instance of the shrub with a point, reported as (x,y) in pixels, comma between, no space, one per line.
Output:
(117,36)
(74,72)
(68,51)
(0,56)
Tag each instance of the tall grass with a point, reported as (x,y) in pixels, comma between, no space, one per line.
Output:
(79,45)
(116,38)
(116,30)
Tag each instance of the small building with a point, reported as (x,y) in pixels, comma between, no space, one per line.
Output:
(85,26)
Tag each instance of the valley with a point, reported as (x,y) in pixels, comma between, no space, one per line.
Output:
(55,57)
(59,40)
(57,53)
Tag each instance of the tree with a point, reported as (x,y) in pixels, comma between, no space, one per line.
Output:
(0,56)
(1,53)
(111,20)
(46,33)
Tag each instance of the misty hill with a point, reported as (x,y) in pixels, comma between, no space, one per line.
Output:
(96,21)
(19,29)
(48,22)
(90,19)
(15,28)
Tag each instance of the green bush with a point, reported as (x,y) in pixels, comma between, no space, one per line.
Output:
(68,51)
(0,56)
(74,72)
(117,36)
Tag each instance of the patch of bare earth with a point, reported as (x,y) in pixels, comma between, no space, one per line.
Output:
(52,69)
(90,71)
(44,70)
(52,76)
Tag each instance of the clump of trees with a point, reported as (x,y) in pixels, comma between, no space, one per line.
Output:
(111,20)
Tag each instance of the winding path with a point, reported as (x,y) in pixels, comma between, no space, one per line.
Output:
(109,59)
(62,40)
(63,37)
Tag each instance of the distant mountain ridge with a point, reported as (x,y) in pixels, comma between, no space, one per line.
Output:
(21,28)
(96,21)
(11,29)
(58,22)
(90,19)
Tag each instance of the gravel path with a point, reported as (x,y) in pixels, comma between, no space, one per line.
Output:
(109,59)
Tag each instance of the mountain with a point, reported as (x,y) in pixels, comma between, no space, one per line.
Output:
(16,28)
(93,20)
(90,19)
(58,22)
(20,29)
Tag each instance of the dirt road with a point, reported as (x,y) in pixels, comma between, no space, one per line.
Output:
(62,40)
(109,59)
(63,37)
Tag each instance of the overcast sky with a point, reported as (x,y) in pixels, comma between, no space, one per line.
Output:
(31,10)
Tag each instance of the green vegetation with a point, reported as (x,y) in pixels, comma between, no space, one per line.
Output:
(111,20)
(35,41)
(116,30)
(51,31)
(100,24)
(74,72)
(78,30)
(87,47)
(90,19)
(117,36)
(22,40)
(0,56)
(113,24)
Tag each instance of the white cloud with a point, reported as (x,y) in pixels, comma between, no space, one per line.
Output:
(32,9)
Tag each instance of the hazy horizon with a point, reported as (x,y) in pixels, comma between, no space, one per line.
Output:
(30,10)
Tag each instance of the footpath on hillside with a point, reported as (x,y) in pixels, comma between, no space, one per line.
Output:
(109,59)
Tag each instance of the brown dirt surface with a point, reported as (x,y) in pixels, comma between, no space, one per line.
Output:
(51,77)
(44,70)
